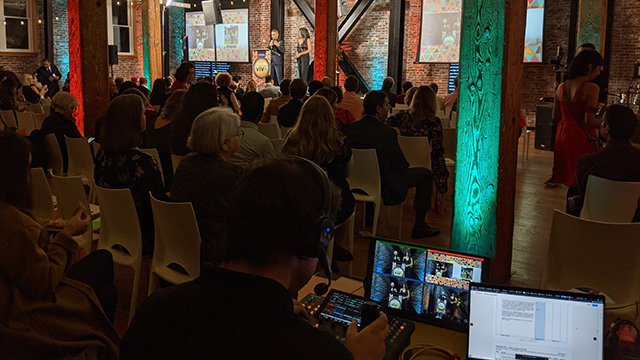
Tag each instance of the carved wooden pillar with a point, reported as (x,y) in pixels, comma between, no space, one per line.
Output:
(326,39)
(152,39)
(491,53)
(592,23)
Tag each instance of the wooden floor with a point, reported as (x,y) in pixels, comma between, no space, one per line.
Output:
(533,213)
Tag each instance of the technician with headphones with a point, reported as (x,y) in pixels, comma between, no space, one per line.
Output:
(281,216)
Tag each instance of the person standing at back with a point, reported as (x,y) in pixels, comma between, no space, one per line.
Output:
(48,74)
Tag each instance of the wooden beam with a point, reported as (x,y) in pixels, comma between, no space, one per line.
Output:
(592,23)
(154,21)
(489,105)
(48,30)
(326,34)
(352,18)
(396,41)
(573,30)
(306,10)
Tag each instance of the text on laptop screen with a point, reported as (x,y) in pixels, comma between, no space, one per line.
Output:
(513,323)
(421,283)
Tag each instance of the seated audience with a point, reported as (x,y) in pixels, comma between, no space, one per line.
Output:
(252,86)
(439,99)
(199,97)
(405,86)
(121,165)
(30,89)
(421,120)
(234,88)
(185,75)
(149,111)
(409,95)
(269,90)
(288,113)
(618,161)
(351,100)
(314,86)
(158,133)
(119,81)
(326,81)
(396,177)
(205,177)
(48,303)
(226,96)
(135,80)
(344,115)
(253,145)
(387,85)
(274,104)
(142,86)
(159,93)
(126,86)
(113,89)
(9,90)
(236,79)
(271,255)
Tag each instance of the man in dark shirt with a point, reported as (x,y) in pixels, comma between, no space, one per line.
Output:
(277,56)
(288,113)
(48,74)
(244,309)
(396,177)
(387,85)
(619,160)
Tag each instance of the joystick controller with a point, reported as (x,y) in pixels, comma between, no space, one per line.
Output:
(369,314)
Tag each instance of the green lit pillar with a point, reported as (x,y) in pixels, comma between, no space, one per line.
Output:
(592,23)
(145,41)
(491,53)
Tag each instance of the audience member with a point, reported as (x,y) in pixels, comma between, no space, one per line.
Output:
(159,93)
(158,133)
(135,80)
(618,161)
(288,113)
(184,76)
(30,89)
(451,100)
(9,90)
(396,177)
(269,90)
(48,74)
(439,99)
(143,86)
(314,86)
(253,144)
(205,177)
(272,252)
(121,165)
(421,120)
(126,86)
(409,95)
(351,100)
(251,86)
(149,111)
(234,88)
(236,79)
(274,104)
(226,96)
(326,81)
(387,85)
(199,97)
(113,89)
(405,86)
(48,309)
(169,82)
(344,115)
(119,81)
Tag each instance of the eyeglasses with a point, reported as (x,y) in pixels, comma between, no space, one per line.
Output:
(240,134)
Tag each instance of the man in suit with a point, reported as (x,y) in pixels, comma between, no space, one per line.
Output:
(396,177)
(48,74)
(277,56)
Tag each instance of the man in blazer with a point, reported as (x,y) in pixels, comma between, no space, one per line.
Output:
(277,56)
(396,177)
(48,74)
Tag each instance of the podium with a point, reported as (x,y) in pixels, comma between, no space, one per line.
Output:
(261,65)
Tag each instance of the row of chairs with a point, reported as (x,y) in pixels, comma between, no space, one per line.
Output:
(273,131)
(24,120)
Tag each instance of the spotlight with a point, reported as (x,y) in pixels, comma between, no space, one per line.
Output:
(168,2)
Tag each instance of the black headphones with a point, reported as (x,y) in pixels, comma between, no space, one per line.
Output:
(322,234)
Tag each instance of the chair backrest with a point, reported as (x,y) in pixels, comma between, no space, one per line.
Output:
(365,173)
(284,131)
(454,119)
(69,195)
(593,254)
(156,155)
(54,155)
(417,150)
(175,161)
(450,142)
(80,158)
(46,103)
(610,201)
(38,119)
(42,201)
(36,109)
(270,130)
(273,119)
(9,118)
(119,221)
(25,121)
(266,103)
(177,236)
(277,145)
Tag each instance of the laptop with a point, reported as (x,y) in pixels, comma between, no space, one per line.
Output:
(423,283)
(516,323)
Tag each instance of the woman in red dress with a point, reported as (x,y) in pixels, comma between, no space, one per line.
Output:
(574,111)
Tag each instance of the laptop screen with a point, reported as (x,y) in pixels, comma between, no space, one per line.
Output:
(421,283)
(516,323)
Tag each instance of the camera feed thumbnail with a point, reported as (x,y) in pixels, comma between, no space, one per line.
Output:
(426,283)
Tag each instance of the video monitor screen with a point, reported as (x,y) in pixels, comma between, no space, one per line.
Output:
(231,37)
(423,284)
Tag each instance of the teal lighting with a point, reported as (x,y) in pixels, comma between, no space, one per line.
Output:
(145,45)
(590,25)
(481,55)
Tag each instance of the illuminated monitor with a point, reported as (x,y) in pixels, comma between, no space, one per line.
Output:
(422,283)
(232,36)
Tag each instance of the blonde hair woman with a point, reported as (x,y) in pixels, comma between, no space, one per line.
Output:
(316,137)
(223,81)
(30,89)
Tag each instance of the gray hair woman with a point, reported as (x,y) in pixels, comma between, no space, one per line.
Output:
(205,178)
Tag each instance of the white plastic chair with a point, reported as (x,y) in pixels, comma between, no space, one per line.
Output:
(417,150)
(610,201)
(273,119)
(365,176)
(266,103)
(36,109)
(70,194)
(120,230)
(25,121)
(596,255)
(177,243)
(46,103)
(270,130)
(38,119)
(454,120)
(54,155)
(80,159)
(9,118)
(175,161)
(277,145)
(42,200)
(154,153)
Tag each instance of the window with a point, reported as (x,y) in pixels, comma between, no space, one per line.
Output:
(16,33)
(120,22)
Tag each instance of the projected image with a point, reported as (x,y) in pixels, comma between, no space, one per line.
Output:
(440,31)
(200,37)
(232,36)
(533,32)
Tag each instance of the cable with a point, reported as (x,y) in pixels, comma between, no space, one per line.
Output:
(419,349)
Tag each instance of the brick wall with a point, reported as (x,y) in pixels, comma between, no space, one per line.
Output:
(293,21)
(61,37)
(625,46)
(129,66)
(28,63)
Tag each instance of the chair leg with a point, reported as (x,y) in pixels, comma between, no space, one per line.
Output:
(134,292)
(376,217)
